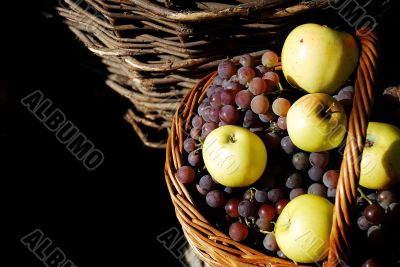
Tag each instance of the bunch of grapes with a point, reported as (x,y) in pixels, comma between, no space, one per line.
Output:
(377,227)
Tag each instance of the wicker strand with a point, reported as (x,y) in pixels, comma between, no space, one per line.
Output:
(350,168)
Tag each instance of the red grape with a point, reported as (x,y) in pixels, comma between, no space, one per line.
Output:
(257,86)
(246,60)
(228,97)
(243,99)
(231,207)
(271,78)
(259,104)
(374,213)
(280,205)
(281,106)
(229,114)
(330,178)
(185,174)
(266,211)
(238,231)
(269,59)
(245,75)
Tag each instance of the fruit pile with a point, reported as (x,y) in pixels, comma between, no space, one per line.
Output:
(262,156)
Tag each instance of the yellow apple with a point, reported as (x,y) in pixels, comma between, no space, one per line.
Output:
(234,156)
(303,228)
(380,162)
(318,59)
(316,122)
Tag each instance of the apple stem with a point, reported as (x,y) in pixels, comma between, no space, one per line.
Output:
(363,196)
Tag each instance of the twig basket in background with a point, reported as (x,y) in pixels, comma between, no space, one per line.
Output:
(217,249)
(156,51)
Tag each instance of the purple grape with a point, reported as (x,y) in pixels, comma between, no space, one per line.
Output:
(275,194)
(250,118)
(246,60)
(260,70)
(282,123)
(195,159)
(386,197)
(271,140)
(300,161)
(215,198)
(315,173)
(294,180)
(226,69)
(213,114)
(317,189)
(215,100)
(331,192)
(280,254)
(197,122)
(189,145)
(228,97)
(261,196)
(363,223)
(233,86)
(319,159)
(245,208)
(218,80)
(207,128)
(269,243)
(267,117)
(288,146)
(207,183)
(295,192)
(195,133)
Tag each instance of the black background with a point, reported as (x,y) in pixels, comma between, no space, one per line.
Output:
(109,216)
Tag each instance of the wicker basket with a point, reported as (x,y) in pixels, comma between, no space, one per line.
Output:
(156,51)
(217,249)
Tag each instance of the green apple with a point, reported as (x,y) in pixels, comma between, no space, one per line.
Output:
(380,162)
(234,156)
(318,59)
(316,122)
(303,228)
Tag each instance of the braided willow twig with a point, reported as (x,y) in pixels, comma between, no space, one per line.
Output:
(350,169)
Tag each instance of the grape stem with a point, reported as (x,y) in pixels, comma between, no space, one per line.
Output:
(267,232)
(363,196)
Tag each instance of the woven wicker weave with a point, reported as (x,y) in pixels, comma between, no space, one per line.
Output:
(217,249)
(156,51)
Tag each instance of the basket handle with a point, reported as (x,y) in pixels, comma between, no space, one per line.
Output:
(350,169)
